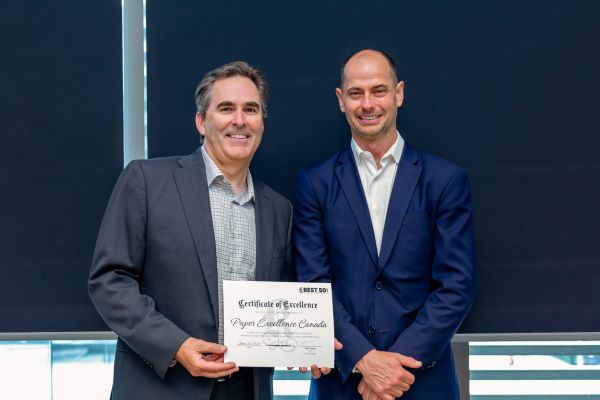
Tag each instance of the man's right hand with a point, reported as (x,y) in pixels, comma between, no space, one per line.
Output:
(384,374)
(203,358)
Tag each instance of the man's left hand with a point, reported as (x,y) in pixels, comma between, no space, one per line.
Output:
(368,394)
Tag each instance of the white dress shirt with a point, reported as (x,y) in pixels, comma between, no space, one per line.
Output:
(377,183)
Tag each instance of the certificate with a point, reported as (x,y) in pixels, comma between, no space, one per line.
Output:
(278,324)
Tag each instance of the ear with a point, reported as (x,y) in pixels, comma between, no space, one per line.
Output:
(399,93)
(338,93)
(200,123)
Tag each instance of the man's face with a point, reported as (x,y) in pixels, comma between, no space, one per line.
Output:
(369,97)
(233,125)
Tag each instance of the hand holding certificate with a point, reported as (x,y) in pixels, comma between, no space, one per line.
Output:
(270,324)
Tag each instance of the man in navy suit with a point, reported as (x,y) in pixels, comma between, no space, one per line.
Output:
(390,227)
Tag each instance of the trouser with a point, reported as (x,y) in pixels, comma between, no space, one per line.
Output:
(239,386)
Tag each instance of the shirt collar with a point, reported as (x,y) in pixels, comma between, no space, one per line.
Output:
(395,151)
(213,172)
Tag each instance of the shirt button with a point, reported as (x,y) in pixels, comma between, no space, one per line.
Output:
(372,330)
(378,285)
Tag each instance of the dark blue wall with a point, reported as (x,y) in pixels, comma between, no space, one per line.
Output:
(60,154)
(507,89)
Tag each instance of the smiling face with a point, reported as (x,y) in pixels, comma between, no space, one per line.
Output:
(370,97)
(233,125)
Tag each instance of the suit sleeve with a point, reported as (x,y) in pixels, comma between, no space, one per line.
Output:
(117,268)
(453,275)
(312,265)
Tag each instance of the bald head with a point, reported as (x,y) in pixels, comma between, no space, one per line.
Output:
(370,56)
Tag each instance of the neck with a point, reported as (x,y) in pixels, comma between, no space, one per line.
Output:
(237,176)
(376,146)
(235,172)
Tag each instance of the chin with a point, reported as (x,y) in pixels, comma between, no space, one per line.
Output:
(240,155)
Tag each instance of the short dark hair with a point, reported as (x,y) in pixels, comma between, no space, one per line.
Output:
(387,57)
(236,68)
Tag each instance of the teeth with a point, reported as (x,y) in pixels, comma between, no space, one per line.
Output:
(239,136)
(369,118)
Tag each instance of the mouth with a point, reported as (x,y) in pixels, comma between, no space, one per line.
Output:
(369,119)
(237,136)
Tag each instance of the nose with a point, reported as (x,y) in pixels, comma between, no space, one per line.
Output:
(366,102)
(239,118)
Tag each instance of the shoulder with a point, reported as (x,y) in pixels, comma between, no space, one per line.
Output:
(434,167)
(163,167)
(440,176)
(155,164)
(327,167)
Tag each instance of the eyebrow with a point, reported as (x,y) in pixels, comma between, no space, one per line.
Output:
(232,104)
(382,86)
(252,104)
(225,104)
(376,87)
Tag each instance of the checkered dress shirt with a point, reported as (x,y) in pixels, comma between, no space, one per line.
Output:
(235,229)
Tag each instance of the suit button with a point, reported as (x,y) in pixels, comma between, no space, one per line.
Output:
(372,330)
(378,285)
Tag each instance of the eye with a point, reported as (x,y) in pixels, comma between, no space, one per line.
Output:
(354,94)
(251,110)
(380,92)
(226,109)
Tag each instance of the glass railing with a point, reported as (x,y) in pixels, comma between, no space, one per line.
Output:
(527,370)
(56,369)
(560,370)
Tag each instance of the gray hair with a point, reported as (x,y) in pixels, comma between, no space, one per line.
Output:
(229,70)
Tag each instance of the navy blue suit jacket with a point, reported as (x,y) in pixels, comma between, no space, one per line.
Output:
(412,297)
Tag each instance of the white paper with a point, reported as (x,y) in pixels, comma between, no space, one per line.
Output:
(278,324)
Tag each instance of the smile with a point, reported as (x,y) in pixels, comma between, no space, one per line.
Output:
(237,136)
(369,118)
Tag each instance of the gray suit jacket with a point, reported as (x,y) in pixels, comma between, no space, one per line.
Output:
(154,273)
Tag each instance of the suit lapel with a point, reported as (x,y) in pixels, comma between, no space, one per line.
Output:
(193,191)
(347,175)
(407,176)
(263,211)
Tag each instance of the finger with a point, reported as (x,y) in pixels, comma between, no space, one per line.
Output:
(303,369)
(314,370)
(220,359)
(209,347)
(221,373)
(409,362)
(214,357)
(215,367)
(325,370)
(337,344)
(361,386)
(290,368)
(403,387)
(407,377)
(369,395)
(397,392)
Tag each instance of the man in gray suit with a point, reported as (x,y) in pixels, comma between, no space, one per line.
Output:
(174,229)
